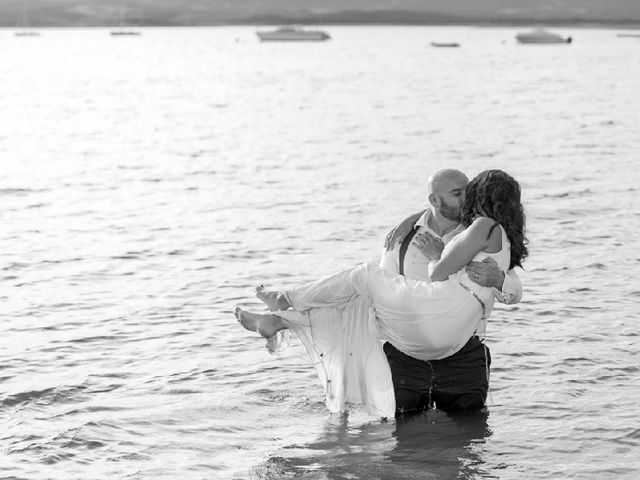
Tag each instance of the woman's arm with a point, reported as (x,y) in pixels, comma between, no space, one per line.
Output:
(472,241)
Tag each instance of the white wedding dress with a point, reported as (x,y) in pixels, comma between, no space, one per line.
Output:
(343,319)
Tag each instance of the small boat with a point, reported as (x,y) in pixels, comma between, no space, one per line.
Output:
(445,44)
(124,32)
(293,34)
(541,36)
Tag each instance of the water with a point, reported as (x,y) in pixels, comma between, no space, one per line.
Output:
(149,183)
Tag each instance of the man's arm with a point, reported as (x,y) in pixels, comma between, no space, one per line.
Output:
(507,288)
(390,261)
(511,291)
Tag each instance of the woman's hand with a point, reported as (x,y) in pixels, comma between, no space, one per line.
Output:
(398,233)
(430,246)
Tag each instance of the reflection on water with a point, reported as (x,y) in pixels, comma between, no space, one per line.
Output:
(433,445)
(445,445)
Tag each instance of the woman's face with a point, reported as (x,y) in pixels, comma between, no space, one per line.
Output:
(472,207)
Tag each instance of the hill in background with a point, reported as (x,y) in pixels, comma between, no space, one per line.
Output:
(65,13)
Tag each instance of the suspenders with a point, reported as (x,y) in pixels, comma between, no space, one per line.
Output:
(404,246)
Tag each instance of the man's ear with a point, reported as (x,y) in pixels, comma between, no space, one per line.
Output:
(434,200)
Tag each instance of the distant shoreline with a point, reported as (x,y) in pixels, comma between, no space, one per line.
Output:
(531,24)
(57,18)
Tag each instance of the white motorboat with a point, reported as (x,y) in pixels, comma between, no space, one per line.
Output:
(540,35)
(293,34)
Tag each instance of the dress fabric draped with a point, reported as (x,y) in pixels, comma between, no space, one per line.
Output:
(343,319)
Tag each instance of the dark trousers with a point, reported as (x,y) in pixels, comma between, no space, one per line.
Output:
(456,383)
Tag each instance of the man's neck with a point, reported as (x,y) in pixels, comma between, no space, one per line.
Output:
(440,224)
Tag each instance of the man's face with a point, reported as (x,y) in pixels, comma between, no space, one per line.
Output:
(450,197)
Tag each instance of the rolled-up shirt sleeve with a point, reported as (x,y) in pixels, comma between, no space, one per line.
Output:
(511,289)
(389,260)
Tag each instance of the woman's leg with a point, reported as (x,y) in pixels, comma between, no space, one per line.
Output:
(266,325)
(273,300)
(332,291)
(338,289)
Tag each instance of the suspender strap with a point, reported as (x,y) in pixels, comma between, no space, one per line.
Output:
(403,248)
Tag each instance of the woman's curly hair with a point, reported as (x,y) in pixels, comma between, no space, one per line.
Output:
(496,194)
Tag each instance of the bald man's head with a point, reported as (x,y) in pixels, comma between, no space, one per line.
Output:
(441,180)
(446,192)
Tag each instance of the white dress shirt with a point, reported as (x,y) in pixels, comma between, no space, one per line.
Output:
(416,264)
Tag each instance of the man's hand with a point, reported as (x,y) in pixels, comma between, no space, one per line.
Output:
(430,246)
(486,273)
(394,236)
(401,231)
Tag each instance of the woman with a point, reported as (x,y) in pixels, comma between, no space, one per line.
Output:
(342,318)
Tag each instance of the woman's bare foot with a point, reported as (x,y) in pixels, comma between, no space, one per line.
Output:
(265,324)
(273,300)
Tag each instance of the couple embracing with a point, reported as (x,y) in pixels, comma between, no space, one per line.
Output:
(407,334)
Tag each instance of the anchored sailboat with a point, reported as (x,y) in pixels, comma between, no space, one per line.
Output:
(24,30)
(122,29)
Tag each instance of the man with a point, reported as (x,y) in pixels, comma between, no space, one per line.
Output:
(461,381)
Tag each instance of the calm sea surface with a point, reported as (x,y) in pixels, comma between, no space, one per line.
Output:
(150,183)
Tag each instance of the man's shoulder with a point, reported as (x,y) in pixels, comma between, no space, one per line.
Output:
(423,220)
